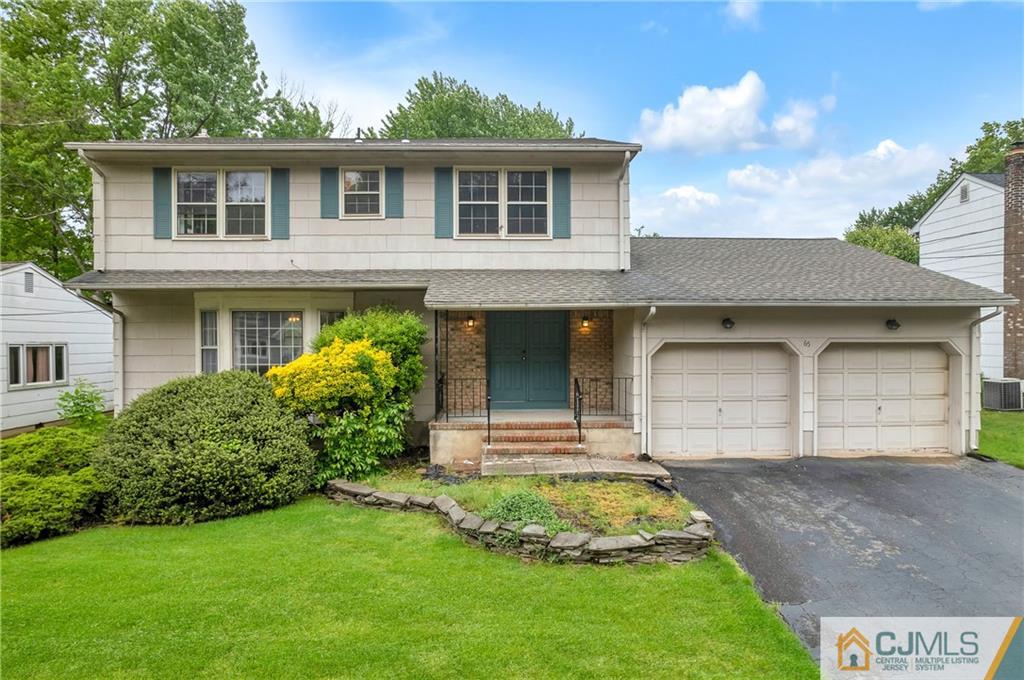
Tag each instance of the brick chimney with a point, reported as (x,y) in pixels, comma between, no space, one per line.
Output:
(1013,261)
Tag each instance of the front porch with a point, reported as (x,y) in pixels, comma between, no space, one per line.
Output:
(523,387)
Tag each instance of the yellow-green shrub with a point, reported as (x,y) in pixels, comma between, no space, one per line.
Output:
(340,377)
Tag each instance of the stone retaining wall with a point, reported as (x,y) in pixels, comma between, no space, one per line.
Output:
(533,540)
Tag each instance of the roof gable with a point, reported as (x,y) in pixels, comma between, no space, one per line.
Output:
(984,178)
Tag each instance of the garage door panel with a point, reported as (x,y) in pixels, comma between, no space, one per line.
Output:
(666,385)
(883,397)
(711,399)
(737,385)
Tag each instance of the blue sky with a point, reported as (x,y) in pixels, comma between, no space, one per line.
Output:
(757,119)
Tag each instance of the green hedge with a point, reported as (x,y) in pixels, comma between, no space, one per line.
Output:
(203,447)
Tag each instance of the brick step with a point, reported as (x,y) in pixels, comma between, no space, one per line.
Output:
(535,449)
(568,436)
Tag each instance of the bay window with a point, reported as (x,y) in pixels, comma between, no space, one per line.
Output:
(503,202)
(261,340)
(361,193)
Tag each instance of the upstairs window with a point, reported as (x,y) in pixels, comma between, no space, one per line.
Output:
(361,193)
(246,203)
(197,203)
(503,202)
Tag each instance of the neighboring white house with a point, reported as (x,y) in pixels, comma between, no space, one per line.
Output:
(51,338)
(962,236)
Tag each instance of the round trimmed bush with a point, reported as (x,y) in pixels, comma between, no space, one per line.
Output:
(203,447)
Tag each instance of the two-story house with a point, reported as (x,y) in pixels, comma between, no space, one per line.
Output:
(973,232)
(230,253)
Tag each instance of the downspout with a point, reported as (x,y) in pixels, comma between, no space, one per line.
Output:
(99,258)
(644,380)
(972,437)
(623,226)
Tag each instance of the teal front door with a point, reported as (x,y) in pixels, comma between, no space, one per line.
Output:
(527,359)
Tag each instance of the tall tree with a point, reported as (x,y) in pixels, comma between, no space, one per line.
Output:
(986,154)
(441,106)
(79,70)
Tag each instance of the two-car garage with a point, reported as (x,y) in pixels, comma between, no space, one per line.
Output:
(744,399)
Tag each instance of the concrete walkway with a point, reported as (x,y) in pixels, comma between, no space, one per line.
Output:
(567,466)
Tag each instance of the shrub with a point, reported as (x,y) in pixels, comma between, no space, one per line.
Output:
(401,334)
(34,507)
(340,377)
(203,447)
(355,442)
(525,506)
(83,405)
(49,451)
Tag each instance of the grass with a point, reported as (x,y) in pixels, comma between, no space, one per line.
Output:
(1002,436)
(604,507)
(316,589)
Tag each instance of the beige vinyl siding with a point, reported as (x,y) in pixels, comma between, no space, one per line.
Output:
(159,339)
(51,315)
(393,243)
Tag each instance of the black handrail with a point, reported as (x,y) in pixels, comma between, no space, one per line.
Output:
(606,396)
(488,387)
(577,408)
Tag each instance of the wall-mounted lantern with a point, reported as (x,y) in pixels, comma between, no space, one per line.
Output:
(585,322)
(728,324)
(470,322)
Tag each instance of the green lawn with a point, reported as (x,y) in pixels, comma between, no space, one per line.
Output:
(1002,436)
(317,589)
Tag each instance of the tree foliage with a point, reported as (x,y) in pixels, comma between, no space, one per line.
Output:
(986,154)
(441,107)
(79,70)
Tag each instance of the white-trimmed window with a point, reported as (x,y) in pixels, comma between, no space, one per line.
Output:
(503,202)
(221,203)
(329,316)
(37,365)
(264,339)
(362,192)
(245,202)
(208,341)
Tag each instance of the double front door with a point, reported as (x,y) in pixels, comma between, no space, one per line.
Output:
(527,359)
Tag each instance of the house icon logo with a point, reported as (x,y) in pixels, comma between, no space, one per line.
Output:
(854,653)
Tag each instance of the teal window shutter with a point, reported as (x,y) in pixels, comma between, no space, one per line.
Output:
(328,192)
(394,192)
(279,202)
(163,190)
(443,213)
(561,203)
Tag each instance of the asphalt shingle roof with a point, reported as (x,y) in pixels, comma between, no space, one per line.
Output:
(670,271)
(997,178)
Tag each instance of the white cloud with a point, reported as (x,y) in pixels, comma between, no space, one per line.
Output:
(818,197)
(708,119)
(704,120)
(691,199)
(743,12)
(652,26)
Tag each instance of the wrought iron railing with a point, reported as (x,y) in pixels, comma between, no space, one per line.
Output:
(463,398)
(577,409)
(605,396)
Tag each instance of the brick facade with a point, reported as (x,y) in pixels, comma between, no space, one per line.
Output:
(590,356)
(1013,262)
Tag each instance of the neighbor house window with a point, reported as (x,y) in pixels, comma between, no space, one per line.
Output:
(37,365)
(245,203)
(197,203)
(208,341)
(327,317)
(361,191)
(478,202)
(504,202)
(265,339)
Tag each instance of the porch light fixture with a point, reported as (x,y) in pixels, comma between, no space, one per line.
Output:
(892,324)
(728,324)
(470,322)
(294,318)
(585,323)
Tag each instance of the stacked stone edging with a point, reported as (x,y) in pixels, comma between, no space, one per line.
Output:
(532,540)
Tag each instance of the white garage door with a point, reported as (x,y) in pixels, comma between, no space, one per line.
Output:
(884,398)
(712,399)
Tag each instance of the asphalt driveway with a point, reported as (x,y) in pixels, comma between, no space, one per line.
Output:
(869,537)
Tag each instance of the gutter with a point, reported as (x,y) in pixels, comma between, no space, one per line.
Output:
(623,226)
(645,436)
(99,236)
(972,441)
